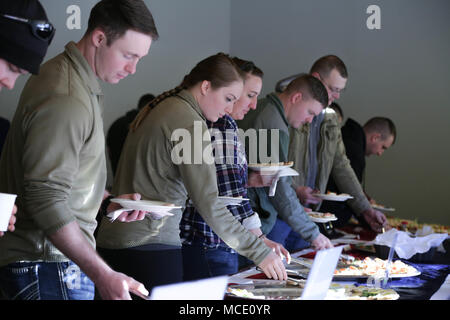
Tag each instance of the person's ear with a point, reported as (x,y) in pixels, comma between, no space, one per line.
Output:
(98,37)
(375,137)
(296,97)
(205,87)
(316,75)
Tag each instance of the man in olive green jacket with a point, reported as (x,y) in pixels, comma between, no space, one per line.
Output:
(317,150)
(54,160)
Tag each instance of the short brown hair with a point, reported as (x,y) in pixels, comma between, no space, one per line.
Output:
(116,17)
(383,126)
(326,64)
(309,86)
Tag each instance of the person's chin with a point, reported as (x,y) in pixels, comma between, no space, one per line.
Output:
(115,80)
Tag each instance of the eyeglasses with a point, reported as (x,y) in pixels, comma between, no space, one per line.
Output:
(331,88)
(335,90)
(41,29)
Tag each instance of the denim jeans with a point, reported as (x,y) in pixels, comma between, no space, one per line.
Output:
(45,281)
(203,262)
(283,234)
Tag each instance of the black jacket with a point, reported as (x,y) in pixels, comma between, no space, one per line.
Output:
(117,135)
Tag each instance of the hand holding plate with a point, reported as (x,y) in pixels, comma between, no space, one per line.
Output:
(127,215)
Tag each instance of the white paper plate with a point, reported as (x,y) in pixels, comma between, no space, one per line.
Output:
(267,168)
(333,197)
(229,201)
(349,277)
(159,207)
(321,220)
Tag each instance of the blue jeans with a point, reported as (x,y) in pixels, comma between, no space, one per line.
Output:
(283,234)
(202,262)
(45,281)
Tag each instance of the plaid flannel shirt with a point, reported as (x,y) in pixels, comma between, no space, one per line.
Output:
(231,169)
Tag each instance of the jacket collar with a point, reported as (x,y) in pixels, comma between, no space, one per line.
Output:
(83,68)
(189,98)
(279,105)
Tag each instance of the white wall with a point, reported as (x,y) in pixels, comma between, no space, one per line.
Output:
(401,71)
(189,31)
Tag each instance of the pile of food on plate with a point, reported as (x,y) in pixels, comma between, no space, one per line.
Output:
(373,266)
(336,291)
(272,164)
(321,215)
(352,292)
(413,225)
(335,194)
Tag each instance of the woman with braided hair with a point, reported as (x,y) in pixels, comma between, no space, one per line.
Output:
(204,253)
(150,250)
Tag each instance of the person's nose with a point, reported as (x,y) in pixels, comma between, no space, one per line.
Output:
(9,81)
(131,67)
(229,109)
(253,103)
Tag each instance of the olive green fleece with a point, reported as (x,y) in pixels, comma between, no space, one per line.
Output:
(54,158)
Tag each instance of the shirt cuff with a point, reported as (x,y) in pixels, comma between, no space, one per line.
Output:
(252,222)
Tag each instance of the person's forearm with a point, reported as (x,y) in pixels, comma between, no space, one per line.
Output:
(72,243)
(292,212)
(257,232)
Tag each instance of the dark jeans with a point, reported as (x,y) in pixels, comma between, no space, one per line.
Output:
(45,281)
(283,234)
(202,262)
(152,265)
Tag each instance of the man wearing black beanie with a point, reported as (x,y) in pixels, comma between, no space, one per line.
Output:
(25,35)
(19,54)
(54,160)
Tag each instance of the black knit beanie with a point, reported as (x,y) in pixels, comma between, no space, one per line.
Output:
(18,44)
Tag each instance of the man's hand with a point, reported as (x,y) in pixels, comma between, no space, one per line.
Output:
(111,284)
(12,221)
(321,242)
(127,216)
(116,286)
(278,249)
(306,195)
(376,219)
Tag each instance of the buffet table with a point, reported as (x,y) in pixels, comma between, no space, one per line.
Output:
(432,283)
